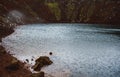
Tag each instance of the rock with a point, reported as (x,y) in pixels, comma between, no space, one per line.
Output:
(27,60)
(14,60)
(41,62)
(50,53)
(31,59)
(13,66)
(41,74)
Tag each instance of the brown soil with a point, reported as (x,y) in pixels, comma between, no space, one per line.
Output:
(11,67)
(5,60)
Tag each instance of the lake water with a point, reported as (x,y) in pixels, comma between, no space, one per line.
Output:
(79,50)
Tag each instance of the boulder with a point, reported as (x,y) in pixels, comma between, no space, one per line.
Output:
(41,62)
(41,74)
(27,60)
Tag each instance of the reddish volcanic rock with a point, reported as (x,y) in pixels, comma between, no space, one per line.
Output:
(10,67)
(39,11)
(41,62)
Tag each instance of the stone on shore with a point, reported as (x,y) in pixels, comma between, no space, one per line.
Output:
(41,62)
(50,53)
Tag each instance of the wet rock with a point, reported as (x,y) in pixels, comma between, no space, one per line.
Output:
(50,53)
(41,62)
(13,66)
(27,60)
(41,74)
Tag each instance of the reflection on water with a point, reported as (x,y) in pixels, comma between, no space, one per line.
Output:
(78,50)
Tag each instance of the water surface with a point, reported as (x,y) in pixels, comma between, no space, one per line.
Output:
(78,50)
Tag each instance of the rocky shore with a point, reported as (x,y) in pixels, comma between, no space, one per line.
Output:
(11,67)
(49,11)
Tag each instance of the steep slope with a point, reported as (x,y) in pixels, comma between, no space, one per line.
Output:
(84,11)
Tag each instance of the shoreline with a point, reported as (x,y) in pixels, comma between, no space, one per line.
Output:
(6,59)
(10,66)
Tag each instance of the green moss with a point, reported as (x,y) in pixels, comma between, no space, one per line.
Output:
(90,11)
(81,14)
(71,11)
(54,7)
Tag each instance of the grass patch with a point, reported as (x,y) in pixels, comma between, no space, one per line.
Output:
(54,7)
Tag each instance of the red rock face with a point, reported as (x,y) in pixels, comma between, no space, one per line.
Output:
(85,11)
(5,61)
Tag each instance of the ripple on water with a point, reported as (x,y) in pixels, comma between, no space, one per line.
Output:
(78,51)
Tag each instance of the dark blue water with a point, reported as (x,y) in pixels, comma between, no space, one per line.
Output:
(78,50)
